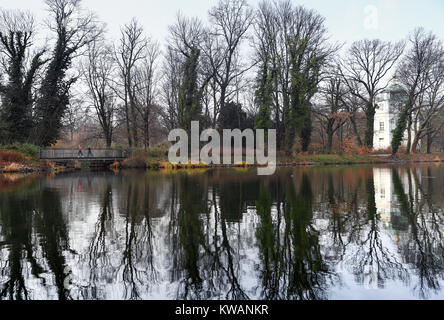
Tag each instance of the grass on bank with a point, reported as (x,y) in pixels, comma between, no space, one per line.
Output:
(333,159)
(157,158)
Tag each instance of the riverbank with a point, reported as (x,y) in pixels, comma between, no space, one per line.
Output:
(26,161)
(144,162)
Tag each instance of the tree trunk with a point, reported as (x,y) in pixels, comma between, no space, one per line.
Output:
(134,125)
(415,142)
(108,140)
(330,136)
(147,134)
(409,135)
(370,124)
(128,128)
(355,130)
(429,138)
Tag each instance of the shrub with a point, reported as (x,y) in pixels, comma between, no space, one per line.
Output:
(135,162)
(158,152)
(27,149)
(11,156)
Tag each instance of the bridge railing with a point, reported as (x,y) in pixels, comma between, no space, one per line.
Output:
(72,154)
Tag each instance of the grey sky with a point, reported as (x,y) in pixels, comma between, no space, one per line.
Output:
(345,18)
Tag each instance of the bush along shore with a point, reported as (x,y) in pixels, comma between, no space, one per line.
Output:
(23,158)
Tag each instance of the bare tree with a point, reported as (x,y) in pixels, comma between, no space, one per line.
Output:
(146,89)
(332,111)
(430,104)
(170,88)
(363,70)
(413,73)
(231,20)
(75,118)
(130,51)
(98,72)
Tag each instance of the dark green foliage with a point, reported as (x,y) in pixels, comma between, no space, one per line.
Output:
(264,98)
(54,95)
(190,108)
(233,117)
(306,129)
(304,84)
(16,95)
(398,133)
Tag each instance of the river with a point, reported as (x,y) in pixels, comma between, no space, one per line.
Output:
(332,232)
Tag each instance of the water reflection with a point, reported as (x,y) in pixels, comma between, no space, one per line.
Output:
(305,233)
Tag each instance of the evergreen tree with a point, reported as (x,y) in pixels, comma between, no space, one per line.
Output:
(233,117)
(54,97)
(74,31)
(16,95)
(189,108)
(305,72)
(401,126)
(264,98)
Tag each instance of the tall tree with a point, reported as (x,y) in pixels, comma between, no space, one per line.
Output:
(16,38)
(187,38)
(366,66)
(413,72)
(98,71)
(266,94)
(332,111)
(230,22)
(129,53)
(306,56)
(74,30)
(146,89)
(190,107)
(430,105)
(169,87)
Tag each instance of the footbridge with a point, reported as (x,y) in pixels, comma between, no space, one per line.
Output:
(94,157)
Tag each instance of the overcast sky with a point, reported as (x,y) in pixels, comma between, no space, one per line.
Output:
(347,20)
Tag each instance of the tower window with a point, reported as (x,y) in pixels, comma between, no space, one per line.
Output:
(381,126)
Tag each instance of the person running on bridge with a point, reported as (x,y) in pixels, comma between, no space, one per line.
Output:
(90,154)
(80,154)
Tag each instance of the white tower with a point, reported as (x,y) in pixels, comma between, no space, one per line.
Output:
(390,102)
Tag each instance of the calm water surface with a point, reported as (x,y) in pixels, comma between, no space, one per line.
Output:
(305,233)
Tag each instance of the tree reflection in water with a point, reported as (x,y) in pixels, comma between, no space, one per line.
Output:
(303,233)
(35,236)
